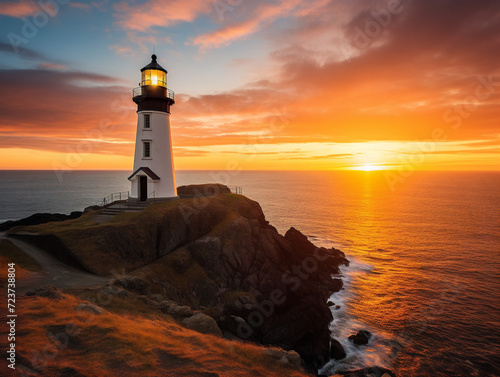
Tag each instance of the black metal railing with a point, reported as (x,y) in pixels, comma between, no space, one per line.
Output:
(153,194)
(124,195)
(143,90)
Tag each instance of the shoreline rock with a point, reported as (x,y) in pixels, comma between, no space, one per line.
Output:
(198,191)
(337,352)
(39,218)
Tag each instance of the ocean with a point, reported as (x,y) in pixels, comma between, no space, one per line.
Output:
(424,277)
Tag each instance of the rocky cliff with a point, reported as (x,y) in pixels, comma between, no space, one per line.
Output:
(217,254)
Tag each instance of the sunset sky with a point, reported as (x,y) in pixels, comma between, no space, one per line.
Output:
(260,84)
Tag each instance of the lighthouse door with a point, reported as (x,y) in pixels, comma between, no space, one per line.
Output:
(143,188)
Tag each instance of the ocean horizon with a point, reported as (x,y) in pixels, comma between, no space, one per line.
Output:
(425,263)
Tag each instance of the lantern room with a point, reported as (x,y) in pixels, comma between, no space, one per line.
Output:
(154,74)
(153,94)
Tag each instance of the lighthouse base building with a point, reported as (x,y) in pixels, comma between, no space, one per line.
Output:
(153,176)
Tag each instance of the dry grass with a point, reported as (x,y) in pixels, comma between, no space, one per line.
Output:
(112,345)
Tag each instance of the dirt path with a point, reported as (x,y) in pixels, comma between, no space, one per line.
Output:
(54,272)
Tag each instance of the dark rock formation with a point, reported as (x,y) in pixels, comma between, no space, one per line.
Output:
(180,311)
(136,284)
(202,323)
(220,254)
(90,308)
(39,218)
(48,291)
(361,338)
(92,208)
(197,191)
(337,352)
(288,358)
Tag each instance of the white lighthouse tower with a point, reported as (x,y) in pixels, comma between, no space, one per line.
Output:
(153,177)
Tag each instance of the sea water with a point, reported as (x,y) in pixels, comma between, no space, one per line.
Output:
(424,276)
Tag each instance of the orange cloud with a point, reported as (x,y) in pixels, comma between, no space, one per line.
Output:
(19,8)
(62,121)
(249,18)
(266,12)
(158,13)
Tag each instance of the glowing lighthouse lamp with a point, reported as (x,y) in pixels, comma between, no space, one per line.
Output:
(153,177)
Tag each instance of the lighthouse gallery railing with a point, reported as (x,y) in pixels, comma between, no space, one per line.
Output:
(142,90)
(124,195)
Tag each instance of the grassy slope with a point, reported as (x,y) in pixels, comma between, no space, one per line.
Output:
(84,235)
(109,344)
(87,238)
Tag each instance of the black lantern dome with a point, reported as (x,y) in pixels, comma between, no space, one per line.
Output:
(154,65)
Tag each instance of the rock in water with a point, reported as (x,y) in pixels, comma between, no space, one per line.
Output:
(337,352)
(361,338)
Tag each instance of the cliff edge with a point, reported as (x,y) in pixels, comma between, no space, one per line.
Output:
(218,255)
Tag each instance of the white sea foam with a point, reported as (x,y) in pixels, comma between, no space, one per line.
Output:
(378,351)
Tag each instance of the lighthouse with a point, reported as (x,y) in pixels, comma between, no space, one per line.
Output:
(153,176)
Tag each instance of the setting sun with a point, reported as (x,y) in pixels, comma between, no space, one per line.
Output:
(369,167)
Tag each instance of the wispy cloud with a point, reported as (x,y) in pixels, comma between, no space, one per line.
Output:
(51,66)
(31,98)
(82,6)
(22,52)
(263,13)
(18,9)
(152,13)
(135,43)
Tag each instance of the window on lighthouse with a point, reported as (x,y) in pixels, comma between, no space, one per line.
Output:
(147,149)
(147,121)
